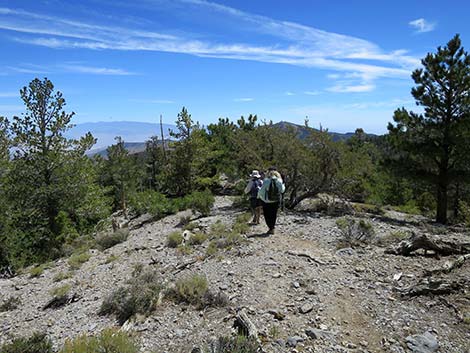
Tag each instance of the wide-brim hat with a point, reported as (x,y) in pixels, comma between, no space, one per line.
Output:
(255,174)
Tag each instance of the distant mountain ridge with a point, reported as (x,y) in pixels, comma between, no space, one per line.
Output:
(130,131)
(134,134)
(303,131)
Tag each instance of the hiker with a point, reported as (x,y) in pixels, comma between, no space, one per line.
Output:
(254,185)
(270,195)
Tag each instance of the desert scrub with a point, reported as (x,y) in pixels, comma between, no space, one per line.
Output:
(78,259)
(239,344)
(10,304)
(190,289)
(108,341)
(393,237)
(60,292)
(107,240)
(354,231)
(36,271)
(211,248)
(184,249)
(174,239)
(190,226)
(140,295)
(37,343)
(111,258)
(240,226)
(218,230)
(197,238)
(62,275)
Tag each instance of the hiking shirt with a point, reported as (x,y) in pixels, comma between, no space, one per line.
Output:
(250,185)
(263,192)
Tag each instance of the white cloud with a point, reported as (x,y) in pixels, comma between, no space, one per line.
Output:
(287,42)
(422,26)
(287,93)
(312,93)
(243,99)
(352,88)
(96,70)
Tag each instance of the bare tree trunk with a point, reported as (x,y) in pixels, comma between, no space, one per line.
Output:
(163,139)
(441,215)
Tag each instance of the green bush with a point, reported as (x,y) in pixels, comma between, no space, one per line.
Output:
(197,238)
(239,344)
(60,292)
(108,240)
(353,230)
(62,275)
(78,259)
(36,271)
(191,289)
(152,202)
(200,201)
(211,248)
(108,341)
(9,304)
(139,296)
(37,343)
(174,239)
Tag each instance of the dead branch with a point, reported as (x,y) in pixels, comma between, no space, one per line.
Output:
(432,286)
(307,255)
(245,326)
(422,241)
(449,265)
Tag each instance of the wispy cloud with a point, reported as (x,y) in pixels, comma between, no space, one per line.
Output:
(243,99)
(312,93)
(287,42)
(68,68)
(288,93)
(340,88)
(96,70)
(422,26)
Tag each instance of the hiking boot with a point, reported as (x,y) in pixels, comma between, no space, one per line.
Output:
(270,231)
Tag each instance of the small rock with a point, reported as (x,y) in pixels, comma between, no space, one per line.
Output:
(306,308)
(425,343)
(294,340)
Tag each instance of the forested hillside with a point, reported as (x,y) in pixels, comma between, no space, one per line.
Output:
(57,203)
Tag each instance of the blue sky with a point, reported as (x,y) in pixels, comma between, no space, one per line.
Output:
(344,64)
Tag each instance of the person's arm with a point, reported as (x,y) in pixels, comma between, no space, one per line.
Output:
(281,185)
(262,191)
(248,187)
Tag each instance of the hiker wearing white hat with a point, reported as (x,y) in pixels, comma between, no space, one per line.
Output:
(254,185)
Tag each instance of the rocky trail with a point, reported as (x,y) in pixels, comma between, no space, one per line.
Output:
(302,289)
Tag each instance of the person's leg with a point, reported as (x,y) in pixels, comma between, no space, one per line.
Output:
(258,214)
(253,209)
(274,214)
(266,213)
(270,214)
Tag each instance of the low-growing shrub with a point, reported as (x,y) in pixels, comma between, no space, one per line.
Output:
(60,292)
(211,248)
(174,239)
(184,249)
(200,201)
(36,271)
(191,289)
(107,240)
(10,304)
(139,296)
(62,275)
(111,258)
(393,237)
(78,259)
(37,343)
(239,344)
(108,341)
(353,230)
(190,226)
(197,238)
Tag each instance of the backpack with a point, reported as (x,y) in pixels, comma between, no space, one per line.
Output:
(255,187)
(273,193)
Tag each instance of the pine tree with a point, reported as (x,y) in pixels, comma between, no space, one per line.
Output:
(433,146)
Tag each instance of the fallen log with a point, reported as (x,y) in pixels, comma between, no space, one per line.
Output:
(422,241)
(449,266)
(307,255)
(432,286)
(244,325)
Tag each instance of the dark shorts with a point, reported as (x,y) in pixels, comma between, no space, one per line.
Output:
(255,202)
